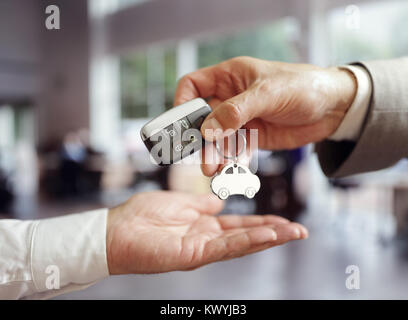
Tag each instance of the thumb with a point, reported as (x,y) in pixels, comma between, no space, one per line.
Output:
(230,114)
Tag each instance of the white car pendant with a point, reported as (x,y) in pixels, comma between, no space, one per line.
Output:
(235,178)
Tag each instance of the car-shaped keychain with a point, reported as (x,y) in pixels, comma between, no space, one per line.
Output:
(235,179)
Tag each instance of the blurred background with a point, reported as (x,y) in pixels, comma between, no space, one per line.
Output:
(73,100)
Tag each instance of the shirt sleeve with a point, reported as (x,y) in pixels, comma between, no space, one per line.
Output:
(352,124)
(44,258)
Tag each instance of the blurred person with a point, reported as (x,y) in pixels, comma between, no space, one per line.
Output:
(357,114)
(6,194)
(80,165)
(72,157)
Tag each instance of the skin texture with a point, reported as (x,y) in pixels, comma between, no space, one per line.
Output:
(290,104)
(166,231)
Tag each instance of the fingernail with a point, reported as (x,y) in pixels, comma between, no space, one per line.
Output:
(296,233)
(212,129)
(304,232)
(271,235)
(274,236)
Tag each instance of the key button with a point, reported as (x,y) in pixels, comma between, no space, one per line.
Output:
(184,123)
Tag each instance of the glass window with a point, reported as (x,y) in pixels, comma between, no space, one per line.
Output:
(148,78)
(229,171)
(170,76)
(147,82)
(272,42)
(98,8)
(369,31)
(128,3)
(133,85)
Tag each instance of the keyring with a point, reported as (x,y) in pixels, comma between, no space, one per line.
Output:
(217,147)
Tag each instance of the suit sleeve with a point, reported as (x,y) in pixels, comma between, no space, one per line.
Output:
(384,137)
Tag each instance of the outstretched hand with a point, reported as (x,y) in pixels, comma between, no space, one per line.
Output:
(166,231)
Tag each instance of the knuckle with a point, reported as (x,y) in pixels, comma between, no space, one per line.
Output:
(241,59)
(184,79)
(263,87)
(235,62)
(233,113)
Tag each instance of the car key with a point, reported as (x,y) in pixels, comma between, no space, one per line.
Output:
(235,178)
(175,134)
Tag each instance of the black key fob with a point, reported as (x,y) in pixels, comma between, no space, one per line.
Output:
(175,134)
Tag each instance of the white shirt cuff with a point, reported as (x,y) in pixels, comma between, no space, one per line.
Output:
(71,249)
(351,126)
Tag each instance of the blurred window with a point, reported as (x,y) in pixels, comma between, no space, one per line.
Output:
(17,123)
(148,77)
(272,42)
(369,31)
(147,81)
(128,3)
(229,171)
(133,88)
(100,8)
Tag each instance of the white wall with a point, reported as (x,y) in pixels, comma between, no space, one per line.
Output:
(20,48)
(164,20)
(64,98)
(49,67)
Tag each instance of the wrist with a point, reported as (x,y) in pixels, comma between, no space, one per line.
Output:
(346,88)
(110,235)
(352,123)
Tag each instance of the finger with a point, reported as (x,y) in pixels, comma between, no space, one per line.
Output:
(210,160)
(200,83)
(235,221)
(289,231)
(214,103)
(253,250)
(207,204)
(232,114)
(235,244)
(284,233)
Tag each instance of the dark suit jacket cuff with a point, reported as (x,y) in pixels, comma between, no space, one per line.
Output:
(384,137)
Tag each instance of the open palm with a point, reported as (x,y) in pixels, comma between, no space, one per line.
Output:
(166,231)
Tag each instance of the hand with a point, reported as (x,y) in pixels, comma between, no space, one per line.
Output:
(290,104)
(167,231)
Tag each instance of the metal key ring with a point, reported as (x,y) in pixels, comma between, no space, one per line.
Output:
(235,157)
